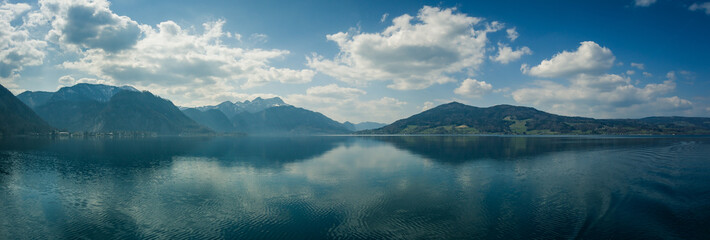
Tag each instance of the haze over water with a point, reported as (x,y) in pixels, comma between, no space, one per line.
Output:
(356,187)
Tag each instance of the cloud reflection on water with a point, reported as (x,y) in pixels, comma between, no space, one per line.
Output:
(310,187)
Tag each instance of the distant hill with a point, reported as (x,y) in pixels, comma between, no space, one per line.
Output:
(125,111)
(230,109)
(212,118)
(457,118)
(18,118)
(287,120)
(363,126)
(77,93)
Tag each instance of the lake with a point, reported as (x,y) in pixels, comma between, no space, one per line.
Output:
(432,187)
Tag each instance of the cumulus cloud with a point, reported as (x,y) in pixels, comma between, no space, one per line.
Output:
(644,3)
(700,7)
(17,48)
(473,88)
(506,54)
(593,93)
(89,25)
(512,34)
(413,53)
(189,66)
(607,95)
(186,66)
(345,104)
(588,58)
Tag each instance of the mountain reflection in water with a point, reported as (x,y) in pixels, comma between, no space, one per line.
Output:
(355,187)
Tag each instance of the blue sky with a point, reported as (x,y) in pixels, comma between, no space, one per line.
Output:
(373,60)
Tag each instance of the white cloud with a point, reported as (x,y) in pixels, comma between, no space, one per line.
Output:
(644,3)
(345,104)
(17,48)
(506,54)
(473,88)
(671,75)
(259,38)
(700,7)
(606,95)
(588,58)
(334,91)
(647,74)
(502,90)
(512,34)
(427,105)
(89,25)
(413,53)
(673,102)
(188,66)
(687,74)
(593,93)
(384,17)
(69,80)
(640,66)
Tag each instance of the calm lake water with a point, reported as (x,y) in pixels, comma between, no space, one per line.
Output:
(356,187)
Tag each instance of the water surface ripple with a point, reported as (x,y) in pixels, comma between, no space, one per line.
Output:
(399,187)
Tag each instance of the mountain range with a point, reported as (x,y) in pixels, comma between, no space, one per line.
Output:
(265,116)
(100,108)
(97,108)
(230,109)
(457,118)
(77,93)
(287,120)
